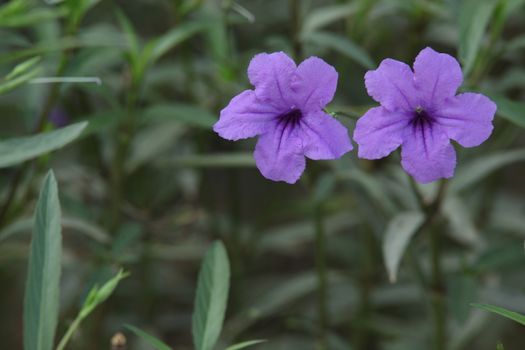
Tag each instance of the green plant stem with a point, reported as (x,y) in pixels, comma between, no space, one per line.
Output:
(295,11)
(437,292)
(69,333)
(320,265)
(435,287)
(124,138)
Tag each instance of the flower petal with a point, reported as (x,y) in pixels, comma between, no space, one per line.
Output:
(427,154)
(437,76)
(467,118)
(271,74)
(278,154)
(314,84)
(392,85)
(323,136)
(245,116)
(379,132)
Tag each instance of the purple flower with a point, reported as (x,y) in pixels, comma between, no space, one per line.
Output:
(421,112)
(286,111)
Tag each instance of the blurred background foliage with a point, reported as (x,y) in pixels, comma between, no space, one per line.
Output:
(148,185)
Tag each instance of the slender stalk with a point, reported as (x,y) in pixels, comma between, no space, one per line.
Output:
(295,11)
(320,265)
(69,333)
(124,138)
(435,287)
(437,292)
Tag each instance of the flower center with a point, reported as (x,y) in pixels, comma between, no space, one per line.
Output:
(421,118)
(291,118)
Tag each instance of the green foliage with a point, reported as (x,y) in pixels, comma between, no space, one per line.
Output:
(21,74)
(148,184)
(245,344)
(20,149)
(95,297)
(516,317)
(342,45)
(510,110)
(41,300)
(474,16)
(211,297)
(398,234)
(156,343)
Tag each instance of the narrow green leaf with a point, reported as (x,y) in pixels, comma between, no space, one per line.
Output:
(174,37)
(245,344)
(217,160)
(326,15)
(156,343)
(187,114)
(131,36)
(41,301)
(23,67)
(340,44)
(398,234)
(474,16)
(211,298)
(513,111)
(21,79)
(20,149)
(502,312)
(476,170)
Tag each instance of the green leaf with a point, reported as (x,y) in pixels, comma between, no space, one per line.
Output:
(398,234)
(211,298)
(340,44)
(174,37)
(20,149)
(23,13)
(41,301)
(479,168)
(502,312)
(127,27)
(245,344)
(22,67)
(187,114)
(513,111)
(326,15)
(95,297)
(474,16)
(217,160)
(156,343)
(21,74)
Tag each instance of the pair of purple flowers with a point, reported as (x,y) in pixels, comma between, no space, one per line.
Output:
(419,111)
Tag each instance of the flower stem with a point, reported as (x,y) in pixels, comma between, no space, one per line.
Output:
(436,292)
(295,10)
(435,287)
(320,265)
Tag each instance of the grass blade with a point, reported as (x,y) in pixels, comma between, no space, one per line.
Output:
(502,312)
(41,300)
(474,16)
(156,343)
(245,344)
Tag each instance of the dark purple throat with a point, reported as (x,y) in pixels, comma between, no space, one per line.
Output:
(421,118)
(291,118)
